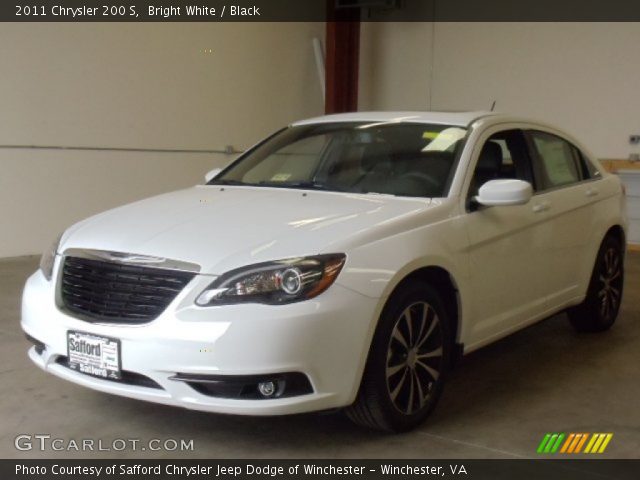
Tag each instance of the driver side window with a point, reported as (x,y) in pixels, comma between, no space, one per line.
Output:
(504,155)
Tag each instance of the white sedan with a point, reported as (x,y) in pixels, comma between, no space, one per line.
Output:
(344,262)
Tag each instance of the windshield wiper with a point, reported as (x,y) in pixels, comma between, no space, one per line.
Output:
(304,185)
(225,181)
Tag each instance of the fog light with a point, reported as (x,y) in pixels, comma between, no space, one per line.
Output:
(267,389)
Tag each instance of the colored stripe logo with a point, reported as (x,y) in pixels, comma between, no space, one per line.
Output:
(574,443)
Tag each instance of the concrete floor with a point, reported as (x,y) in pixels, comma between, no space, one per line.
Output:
(498,403)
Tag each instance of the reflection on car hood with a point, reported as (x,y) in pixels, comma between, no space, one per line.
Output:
(220,228)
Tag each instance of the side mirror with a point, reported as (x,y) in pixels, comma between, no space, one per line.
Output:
(211,174)
(504,192)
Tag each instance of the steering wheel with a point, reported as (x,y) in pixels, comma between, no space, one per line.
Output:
(420,177)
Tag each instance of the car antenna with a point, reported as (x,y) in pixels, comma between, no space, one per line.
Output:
(493,105)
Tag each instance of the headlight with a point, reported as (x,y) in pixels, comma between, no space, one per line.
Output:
(48,258)
(274,283)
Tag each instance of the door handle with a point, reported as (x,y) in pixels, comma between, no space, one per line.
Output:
(541,207)
(592,192)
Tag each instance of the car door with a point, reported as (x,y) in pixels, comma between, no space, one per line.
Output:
(568,198)
(507,244)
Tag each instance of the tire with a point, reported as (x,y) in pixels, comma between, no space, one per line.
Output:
(599,310)
(408,362)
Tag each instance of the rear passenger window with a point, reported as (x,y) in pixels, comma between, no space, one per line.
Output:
(589,170)
(559,161)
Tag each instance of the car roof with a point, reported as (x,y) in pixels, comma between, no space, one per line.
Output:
(460,119)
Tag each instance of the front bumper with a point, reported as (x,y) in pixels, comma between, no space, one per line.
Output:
(326,338)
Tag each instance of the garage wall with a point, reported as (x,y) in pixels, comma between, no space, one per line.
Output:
(395,65)
(135,86)
(581,76)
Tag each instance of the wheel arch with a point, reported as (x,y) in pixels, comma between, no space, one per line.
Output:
(438,278)
(444,282)
(617,231)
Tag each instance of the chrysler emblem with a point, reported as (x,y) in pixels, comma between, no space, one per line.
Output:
(128,258)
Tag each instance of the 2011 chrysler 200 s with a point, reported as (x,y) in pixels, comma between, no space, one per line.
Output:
(345,261)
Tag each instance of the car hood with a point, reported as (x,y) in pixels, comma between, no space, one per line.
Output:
(220,228)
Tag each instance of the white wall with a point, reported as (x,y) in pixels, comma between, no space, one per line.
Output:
(583,77)
(135,86)
(395,64)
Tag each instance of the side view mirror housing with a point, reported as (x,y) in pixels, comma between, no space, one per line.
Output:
(211,174)
(504,192)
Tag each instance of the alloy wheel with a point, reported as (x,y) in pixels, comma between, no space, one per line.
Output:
(414,357)
(610,279)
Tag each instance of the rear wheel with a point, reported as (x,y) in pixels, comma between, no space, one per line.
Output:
(407,362)
(600,308)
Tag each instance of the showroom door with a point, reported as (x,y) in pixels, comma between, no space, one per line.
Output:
(507,244)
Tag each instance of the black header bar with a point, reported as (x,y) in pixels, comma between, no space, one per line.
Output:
(319,10)
(557,469)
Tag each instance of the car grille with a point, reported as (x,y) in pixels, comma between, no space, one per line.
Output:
(108,292)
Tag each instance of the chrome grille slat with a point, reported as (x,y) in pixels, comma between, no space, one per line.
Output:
(101,291)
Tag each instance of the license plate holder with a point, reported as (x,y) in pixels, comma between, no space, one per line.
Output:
(94,355)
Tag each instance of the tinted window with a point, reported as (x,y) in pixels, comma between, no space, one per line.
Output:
(559,162)
(503,155)
(589,170)
(404,159)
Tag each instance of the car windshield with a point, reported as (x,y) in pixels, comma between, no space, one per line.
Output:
(403,159)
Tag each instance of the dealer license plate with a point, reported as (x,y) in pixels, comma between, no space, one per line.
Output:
(94,355)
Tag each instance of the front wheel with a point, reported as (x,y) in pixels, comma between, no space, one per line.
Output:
(600,308)
(407,362)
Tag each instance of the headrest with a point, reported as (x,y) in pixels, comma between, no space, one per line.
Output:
(375,154)
(490,157)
